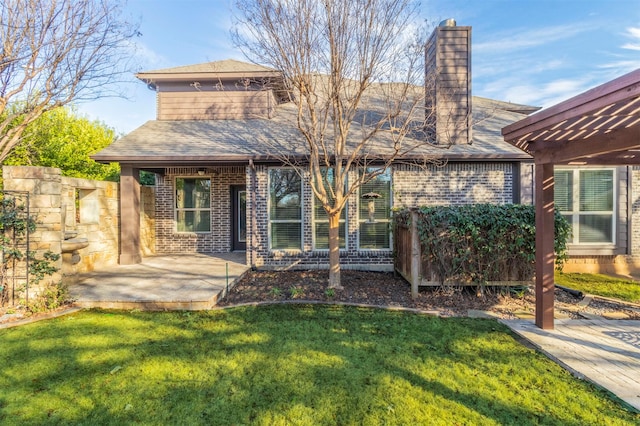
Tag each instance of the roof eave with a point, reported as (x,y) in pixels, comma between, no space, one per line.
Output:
(172,161)
(191,76)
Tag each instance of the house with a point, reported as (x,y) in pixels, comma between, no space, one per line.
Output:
(220,186)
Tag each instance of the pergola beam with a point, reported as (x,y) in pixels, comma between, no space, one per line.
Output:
(587,103)
(559,152)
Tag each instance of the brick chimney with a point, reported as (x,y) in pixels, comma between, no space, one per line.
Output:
(448,84)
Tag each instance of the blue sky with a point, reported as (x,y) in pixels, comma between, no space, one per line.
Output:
(536,52)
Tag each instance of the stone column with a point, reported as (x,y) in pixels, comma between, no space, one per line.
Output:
(44,187)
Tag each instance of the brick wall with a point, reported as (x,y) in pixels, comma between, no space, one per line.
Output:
(454,183)
(168,240)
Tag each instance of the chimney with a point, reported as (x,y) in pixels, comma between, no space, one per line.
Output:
(448,84)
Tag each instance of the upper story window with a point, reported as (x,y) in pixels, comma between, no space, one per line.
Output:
(285,209)
(321,220)
(193,205)
(374,213)
(586,197)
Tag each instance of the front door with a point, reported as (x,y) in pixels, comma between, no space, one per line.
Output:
(239,217)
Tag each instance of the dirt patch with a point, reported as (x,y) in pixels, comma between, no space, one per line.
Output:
(19,314)
(385,289)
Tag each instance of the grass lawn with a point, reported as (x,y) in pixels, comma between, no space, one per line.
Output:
(276,365)
(601,285)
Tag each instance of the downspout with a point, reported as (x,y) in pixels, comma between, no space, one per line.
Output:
(253,220)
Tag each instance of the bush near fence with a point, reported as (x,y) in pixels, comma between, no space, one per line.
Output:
(480,244)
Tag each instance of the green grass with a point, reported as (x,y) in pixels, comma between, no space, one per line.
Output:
(601,285)
(276,365)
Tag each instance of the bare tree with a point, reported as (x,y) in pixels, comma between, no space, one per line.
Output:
(55,52)
(355,71)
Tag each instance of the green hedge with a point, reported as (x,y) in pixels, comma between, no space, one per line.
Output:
(483,242)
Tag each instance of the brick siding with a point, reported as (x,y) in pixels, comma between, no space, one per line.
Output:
(168,240)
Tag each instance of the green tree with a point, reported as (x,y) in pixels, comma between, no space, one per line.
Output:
(62,138)
(55,53)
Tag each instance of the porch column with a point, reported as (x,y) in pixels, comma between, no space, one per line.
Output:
(129,215)
(545,254)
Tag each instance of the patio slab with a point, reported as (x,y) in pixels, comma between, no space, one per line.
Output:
(167,282)
(605,352)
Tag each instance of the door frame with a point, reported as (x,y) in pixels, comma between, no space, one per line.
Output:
(236,244)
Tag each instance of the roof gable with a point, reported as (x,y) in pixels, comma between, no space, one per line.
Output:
(228,68)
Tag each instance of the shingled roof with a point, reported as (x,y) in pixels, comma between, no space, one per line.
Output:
(216,69)
(164,143)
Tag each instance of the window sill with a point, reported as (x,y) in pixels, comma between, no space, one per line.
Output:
(191,233)
(594,250)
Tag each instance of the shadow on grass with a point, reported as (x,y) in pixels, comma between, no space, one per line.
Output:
(284,364)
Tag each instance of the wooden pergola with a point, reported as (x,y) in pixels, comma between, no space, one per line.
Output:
(598,127)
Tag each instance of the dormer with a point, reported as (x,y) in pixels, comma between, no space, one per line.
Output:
(221,90)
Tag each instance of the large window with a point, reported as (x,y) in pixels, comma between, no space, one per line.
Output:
(586,198)
(375,213)
(193,205)
(321,220)
(285,209)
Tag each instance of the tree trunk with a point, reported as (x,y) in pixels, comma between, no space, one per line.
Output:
(334,251)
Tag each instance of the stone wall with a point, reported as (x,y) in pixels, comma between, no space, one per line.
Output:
(91,210)
(148,220)
(81,207)
(44,187)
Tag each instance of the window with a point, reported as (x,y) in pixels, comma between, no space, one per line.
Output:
(285,209)
(375,213)
(193,206)
(321,221)
(586,198)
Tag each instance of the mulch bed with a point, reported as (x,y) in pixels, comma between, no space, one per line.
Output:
(386,289)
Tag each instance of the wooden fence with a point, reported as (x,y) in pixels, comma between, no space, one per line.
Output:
(415,268)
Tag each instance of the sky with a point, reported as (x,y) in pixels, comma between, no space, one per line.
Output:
(534,52)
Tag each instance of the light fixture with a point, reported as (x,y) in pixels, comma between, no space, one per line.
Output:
(371,197)
(200,172)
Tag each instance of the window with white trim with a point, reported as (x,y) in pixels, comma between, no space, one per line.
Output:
(321,219)
(285,209)
(374,213)
(586,198)
(193,205)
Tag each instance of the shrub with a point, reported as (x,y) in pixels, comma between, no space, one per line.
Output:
(15,224)
(483,242)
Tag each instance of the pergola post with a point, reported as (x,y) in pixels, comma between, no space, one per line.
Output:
(545,253)
(598,127)
(129,215)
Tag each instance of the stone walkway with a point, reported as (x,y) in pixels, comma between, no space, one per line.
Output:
(168,282)
(605,352)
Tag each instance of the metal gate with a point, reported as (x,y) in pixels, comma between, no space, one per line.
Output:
(16,226)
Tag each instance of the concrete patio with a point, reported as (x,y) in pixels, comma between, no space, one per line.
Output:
(168,282)
(604,352)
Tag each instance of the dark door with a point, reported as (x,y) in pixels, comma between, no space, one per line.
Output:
(239,217)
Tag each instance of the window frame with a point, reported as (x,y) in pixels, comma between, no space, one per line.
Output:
(271,221)
(314,221)
(177,209)
(576,213)
(387,220)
